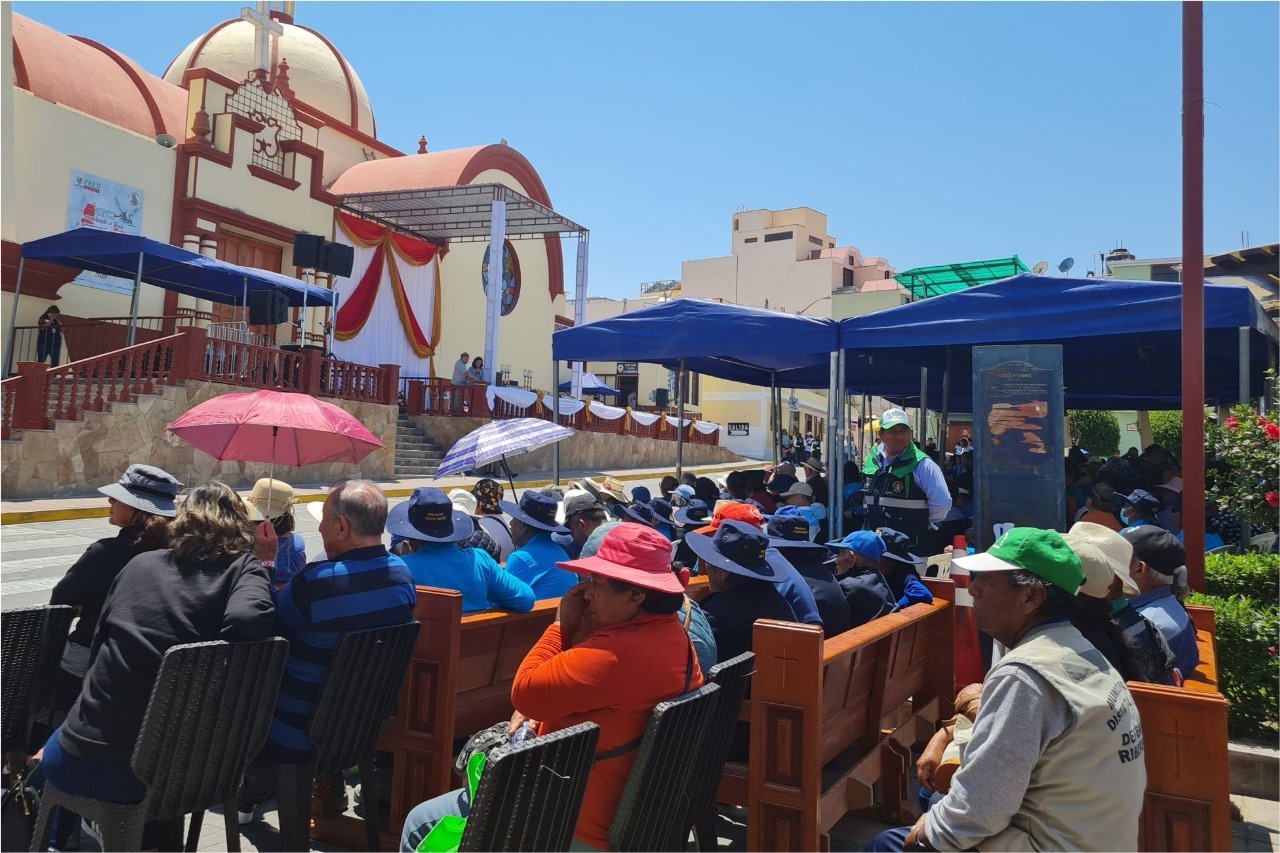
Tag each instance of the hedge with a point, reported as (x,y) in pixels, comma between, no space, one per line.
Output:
(1243,591)
(1096,432)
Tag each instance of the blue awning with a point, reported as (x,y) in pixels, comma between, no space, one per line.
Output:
(1121,340)
(742,344)
(168,266)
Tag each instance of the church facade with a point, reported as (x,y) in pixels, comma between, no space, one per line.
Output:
(254,133)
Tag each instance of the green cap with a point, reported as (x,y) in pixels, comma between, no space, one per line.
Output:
(894,417)
(1044,553)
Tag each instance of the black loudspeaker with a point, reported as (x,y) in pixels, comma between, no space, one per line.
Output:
(308,250)
(338,259)
(661,398)
(267,308)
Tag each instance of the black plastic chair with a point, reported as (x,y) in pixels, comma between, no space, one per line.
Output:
(651,814)
(208,716)
(734,678)
(358,694)
(30,653)
(530,794)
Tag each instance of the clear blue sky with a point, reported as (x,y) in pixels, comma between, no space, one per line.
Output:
(928,133)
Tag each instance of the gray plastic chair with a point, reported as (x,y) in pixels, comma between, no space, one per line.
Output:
(651,815)
(208,716)
(734,679)
(530,794)
(358,694)
(30,652)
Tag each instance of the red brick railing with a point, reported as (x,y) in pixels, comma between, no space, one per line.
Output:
(440,397)
(40,395)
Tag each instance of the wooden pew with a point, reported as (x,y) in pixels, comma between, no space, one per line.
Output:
(1184,732)
(818,710)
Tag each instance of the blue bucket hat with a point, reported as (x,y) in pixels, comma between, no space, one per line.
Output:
(641,513)
(695,513)
(789,528)
(146,488)
(739,548)
(428,516)
(536,510)
(661,508)
(896,545)
(864,543)
(1144,502)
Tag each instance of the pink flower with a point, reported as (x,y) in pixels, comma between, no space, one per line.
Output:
(1273,500)
(1273,432)
(1231,423)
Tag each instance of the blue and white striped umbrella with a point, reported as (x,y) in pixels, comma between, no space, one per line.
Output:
(499,440)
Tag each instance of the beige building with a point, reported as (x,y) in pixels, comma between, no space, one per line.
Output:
(257,131)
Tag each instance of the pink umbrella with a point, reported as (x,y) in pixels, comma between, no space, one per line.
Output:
(275,426)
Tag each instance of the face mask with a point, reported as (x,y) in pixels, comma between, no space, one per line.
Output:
(1124,516)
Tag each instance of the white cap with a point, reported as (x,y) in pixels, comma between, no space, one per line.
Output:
(893,417)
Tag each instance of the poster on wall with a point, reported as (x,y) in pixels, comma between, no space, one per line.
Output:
(95,202)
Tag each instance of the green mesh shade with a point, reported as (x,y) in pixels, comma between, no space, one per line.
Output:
(924,282)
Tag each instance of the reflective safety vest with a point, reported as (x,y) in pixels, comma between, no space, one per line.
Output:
(892,497)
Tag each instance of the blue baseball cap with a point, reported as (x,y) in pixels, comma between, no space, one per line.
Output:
(864,543)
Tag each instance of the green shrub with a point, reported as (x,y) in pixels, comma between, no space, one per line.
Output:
(1248,666)
(1166,431)
(1096,432)
(1255,576)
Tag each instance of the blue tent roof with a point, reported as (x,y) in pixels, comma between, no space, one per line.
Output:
(1121,340)
(715,339)
(167,266)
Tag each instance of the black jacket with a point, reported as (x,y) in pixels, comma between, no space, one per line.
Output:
(733,613)
(87,583)
(868,595)
(158,603)
(832,607)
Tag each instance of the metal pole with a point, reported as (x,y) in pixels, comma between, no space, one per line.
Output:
(833,414)
(774,415)
(13,319)
(944,432)
(1243,396)
(555,418)
(864,433)
(923,427)
(493,304)
(579,310)
(133,304)
(1193,519)
(836,510)
(679,420)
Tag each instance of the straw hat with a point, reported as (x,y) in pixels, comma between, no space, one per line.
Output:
(613,488)
(269,496)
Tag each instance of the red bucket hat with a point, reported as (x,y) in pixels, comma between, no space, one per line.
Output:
(634,554)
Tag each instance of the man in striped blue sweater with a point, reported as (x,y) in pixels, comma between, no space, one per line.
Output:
(361,585)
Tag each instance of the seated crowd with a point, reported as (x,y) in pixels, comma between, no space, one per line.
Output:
(1075,615)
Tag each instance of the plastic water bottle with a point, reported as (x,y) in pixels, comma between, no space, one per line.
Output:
(527,731)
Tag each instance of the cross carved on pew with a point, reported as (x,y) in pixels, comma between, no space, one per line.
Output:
(786,663)
(1178,737)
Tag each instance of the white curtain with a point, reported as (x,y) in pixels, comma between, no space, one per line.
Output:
(383,339)
(606,413)
(645,418)
(705,427)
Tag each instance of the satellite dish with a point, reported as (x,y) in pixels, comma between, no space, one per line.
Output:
(1067,263)
(1041,268)
(165,140)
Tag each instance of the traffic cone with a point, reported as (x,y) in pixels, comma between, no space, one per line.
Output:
(967,654)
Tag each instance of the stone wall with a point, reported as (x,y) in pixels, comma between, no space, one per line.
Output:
(76,457)
(586,451)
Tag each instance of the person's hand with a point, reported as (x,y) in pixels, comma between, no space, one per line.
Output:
(265,542)
(517,719)
(916,834)
(931,758)
(575,621)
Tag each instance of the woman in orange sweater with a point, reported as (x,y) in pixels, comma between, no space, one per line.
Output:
(616,650)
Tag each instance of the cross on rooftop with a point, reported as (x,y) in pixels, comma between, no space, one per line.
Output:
(265,28)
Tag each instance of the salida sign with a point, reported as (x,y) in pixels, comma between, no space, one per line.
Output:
(739,429)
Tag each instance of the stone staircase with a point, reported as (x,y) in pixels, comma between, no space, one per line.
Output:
(416,454)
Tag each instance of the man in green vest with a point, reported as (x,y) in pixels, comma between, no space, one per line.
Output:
(1055,757)
(905,489)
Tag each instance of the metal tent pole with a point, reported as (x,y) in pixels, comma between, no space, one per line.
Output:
(13,319)
(922,429)
(579,309)
(493,310)
(774,415)
(555,419)
(833,414)
(1193,288)
(1243,396)
(836,511)
(679,420)
(943,440)
(133,303)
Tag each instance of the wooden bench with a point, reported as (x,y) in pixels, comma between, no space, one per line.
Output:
(1184,734)
(826,725)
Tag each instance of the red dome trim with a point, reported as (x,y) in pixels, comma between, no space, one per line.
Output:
(195,54)
(19,68)
(157,117)
(351,84)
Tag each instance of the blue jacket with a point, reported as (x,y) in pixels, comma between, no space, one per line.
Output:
(1169,616)
(483,583)
(535,564)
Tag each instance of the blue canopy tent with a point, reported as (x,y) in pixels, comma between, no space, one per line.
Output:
(591,384)
(170,267)
(1121,340)
(751,345)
